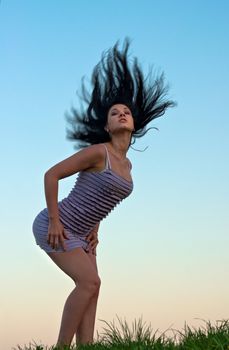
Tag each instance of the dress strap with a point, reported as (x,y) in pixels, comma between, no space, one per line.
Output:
(107,158)
(130,165)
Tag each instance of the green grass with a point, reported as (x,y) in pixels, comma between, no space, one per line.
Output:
(212,337)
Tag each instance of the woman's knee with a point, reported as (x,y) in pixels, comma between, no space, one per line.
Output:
(91,283)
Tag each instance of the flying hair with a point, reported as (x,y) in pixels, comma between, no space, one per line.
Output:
(114,81)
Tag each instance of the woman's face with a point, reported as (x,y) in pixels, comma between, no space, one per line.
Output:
(119,117)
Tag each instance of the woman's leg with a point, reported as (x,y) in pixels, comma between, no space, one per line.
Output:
(85,330)
(76,264)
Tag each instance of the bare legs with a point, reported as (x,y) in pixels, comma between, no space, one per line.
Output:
(85,330)
(80,307)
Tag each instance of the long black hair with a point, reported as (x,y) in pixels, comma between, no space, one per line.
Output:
(113,82)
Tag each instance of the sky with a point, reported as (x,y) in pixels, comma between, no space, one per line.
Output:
(163,252)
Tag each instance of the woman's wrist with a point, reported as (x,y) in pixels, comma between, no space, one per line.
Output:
(54,218)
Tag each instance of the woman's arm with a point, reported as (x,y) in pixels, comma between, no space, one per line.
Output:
(81,160)
(51,195)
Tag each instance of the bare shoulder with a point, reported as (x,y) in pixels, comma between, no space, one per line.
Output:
(88,157)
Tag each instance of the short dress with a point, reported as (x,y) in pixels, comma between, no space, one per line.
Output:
(92,198)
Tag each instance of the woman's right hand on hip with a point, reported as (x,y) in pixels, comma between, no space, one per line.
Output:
(56,234)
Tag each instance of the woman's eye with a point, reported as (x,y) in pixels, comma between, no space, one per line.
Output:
(116,113)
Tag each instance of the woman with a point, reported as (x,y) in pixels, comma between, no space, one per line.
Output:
(119,108)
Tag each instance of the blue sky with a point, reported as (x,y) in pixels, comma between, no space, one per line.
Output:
(163,253)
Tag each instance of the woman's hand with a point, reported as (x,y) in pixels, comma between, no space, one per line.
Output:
(56,234)
(92,238)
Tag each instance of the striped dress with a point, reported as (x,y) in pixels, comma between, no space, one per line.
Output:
(93,197)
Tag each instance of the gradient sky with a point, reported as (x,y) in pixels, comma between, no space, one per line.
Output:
(163,253)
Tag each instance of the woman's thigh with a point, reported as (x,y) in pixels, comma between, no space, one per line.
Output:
(78,265)
(93,261)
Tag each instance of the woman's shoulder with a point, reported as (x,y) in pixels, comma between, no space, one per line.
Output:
(129,162)
(98,147)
